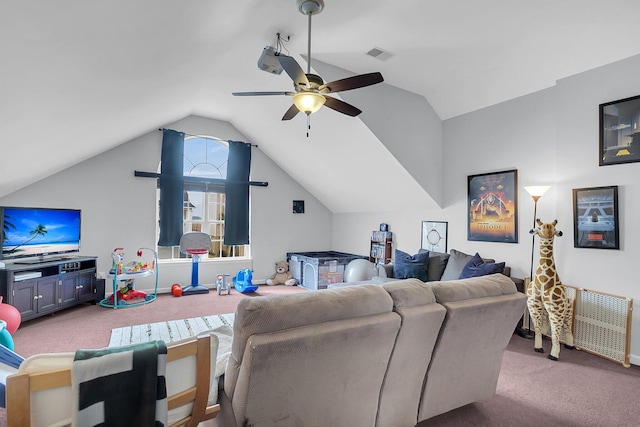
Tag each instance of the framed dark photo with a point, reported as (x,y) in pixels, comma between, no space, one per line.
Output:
(298,206)
(595,218)
(434,236)
(620,131)
(492,207)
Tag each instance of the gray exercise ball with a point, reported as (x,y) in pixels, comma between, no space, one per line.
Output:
(358,270)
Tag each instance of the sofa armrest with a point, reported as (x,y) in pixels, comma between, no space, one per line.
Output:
(519,284)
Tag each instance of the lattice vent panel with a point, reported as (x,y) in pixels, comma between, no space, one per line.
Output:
(602,324)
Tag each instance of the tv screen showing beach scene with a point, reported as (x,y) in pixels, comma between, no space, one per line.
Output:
(39,232)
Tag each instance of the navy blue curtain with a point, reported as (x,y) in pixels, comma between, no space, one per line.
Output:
(171,188)
(236,218)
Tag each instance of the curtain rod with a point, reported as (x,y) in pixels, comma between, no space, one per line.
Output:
(209,137)
(197,179)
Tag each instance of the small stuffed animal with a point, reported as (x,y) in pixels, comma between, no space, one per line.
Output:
(282,276)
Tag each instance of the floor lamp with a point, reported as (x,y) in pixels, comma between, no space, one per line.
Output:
(535,191)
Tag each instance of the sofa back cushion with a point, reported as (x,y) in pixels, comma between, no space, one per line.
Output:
(279,312)
(317,358)
(421,317)
(482,313)
(473,288)
(437,264)
(455,264)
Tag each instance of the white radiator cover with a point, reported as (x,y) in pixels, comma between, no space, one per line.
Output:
(601,323)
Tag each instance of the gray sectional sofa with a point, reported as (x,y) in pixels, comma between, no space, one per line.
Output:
(371,355)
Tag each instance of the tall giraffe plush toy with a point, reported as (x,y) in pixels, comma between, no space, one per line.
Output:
(547,293)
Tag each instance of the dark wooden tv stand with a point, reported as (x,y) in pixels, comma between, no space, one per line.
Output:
(36,289)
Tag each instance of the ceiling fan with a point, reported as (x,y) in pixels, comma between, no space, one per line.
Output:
(310,90)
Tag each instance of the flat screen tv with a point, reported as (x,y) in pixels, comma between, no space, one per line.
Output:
(31,234)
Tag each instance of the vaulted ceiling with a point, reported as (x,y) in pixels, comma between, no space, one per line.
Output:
(80,77)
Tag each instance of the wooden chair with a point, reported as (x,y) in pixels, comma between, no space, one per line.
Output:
(187,401)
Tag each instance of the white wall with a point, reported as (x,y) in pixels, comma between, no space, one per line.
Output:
(578,97)
(551,138)
(518,134)
(514,135)
(400,119)
(118,209)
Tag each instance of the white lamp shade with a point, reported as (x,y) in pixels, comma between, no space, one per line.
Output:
(308,102)
(536,191)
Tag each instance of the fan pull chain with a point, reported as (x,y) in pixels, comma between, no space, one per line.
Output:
(308,124)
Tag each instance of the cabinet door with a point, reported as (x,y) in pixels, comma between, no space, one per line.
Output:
(47,294)
(68,294)
(85,284)
(25,298)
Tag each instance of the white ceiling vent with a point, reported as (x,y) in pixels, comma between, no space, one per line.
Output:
(380,54)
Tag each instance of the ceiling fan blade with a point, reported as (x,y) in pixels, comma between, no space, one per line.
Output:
(341,106)
(354,82)
(262,93)
(294,70)
(291,112)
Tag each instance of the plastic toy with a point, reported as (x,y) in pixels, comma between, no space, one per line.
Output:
(117,266)
(11,316)
(195,244)
(242,281)
(222,284)
(124,294)
(176,290)
(127,294)
(5,337)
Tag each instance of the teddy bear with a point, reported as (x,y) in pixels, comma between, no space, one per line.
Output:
(282,276)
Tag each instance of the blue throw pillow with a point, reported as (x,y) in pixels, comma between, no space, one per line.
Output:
(477,267)
(411,266)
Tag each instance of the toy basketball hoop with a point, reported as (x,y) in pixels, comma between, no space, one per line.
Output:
(195,244)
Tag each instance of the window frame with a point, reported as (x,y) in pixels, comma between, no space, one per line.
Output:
(202,186)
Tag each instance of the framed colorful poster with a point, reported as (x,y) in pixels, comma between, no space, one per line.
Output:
(595,218)
(434,236)
(492,207)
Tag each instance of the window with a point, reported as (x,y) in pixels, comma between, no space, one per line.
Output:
(204,205)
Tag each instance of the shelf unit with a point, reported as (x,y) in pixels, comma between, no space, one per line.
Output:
(46,287)
(381,246)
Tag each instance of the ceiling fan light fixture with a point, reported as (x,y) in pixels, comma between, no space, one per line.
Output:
(310,88)
(310,7)
(308,102)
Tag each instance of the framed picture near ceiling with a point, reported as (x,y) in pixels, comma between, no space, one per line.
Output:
(492,203)
(595,218)
(620,131)
(298,206)
(434,236)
